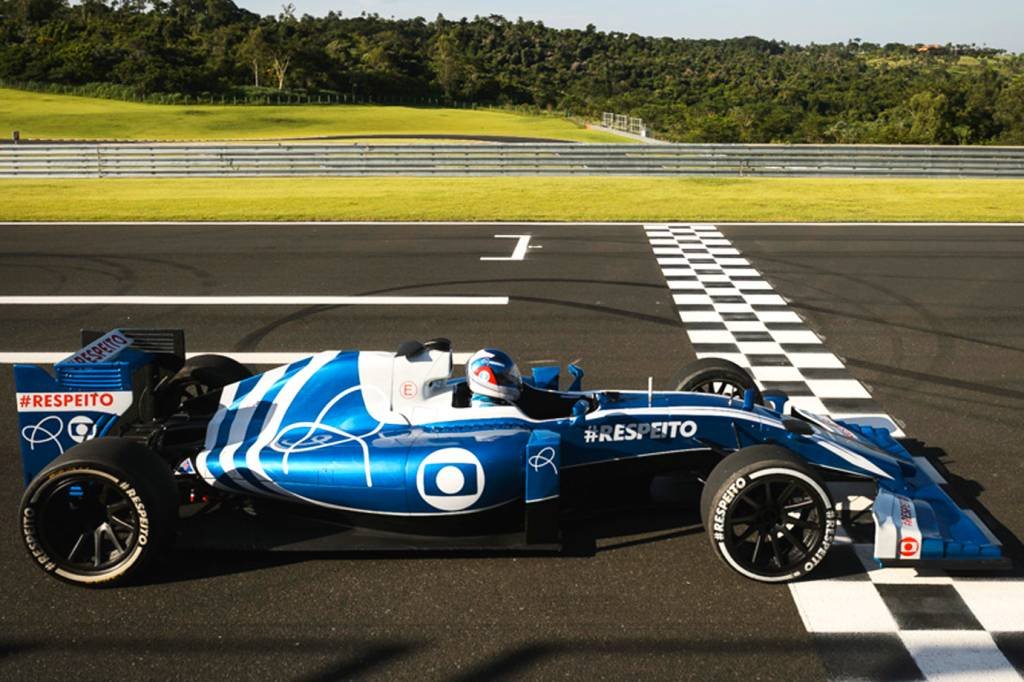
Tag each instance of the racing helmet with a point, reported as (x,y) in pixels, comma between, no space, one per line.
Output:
(492,373)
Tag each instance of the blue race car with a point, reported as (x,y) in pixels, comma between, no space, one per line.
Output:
(128,446)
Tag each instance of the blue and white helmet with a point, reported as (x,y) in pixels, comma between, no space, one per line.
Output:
(492,373)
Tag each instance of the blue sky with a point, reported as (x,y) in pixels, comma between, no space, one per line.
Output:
(996,23)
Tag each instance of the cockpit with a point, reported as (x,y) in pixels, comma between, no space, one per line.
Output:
(422,382)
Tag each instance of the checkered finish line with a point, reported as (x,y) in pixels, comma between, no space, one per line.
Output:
(730,311)
(869,623)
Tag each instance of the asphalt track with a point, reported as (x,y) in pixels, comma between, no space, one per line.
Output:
(929,318)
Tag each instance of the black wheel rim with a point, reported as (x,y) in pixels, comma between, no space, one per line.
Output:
(724,387)
(775,525)
(87,525)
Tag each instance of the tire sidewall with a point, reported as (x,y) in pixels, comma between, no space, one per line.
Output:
(133,469)
(36,495)
(726,494)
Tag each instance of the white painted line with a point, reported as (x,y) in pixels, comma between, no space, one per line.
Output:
(699,316)
(958,655)
(271,358)
(752,285)
(763,374)
(765,299)
(779,316)
(838,388)
(743,326)
(518,253)
(895,576)
(684,284)
(691,299)
(795,336)
(253,300)
(841,606)
(723,291)
(710,336)
(815,361)
(998,605)
(760,348)
(733,308)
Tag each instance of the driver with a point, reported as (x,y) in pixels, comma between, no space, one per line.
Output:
(493,378)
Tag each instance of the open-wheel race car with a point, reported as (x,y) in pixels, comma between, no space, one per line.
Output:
(127,444)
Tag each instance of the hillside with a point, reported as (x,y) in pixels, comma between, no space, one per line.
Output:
(59,116)
(737,90)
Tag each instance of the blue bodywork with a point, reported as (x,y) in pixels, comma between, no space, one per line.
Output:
(378,434)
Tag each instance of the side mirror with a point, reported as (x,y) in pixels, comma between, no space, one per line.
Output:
(798,426)
(577,377)
(579,412)
(748,399)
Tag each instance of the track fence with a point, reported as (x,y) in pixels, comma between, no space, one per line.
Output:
(219,160)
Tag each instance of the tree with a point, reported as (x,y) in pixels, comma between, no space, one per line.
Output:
(930,119)
(1009,112)
(281,44)
(448,63)
(254,51)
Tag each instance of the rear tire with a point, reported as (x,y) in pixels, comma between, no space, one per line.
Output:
(211,372)
(717,376)
(98,515)
(768,514)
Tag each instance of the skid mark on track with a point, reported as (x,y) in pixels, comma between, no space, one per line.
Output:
(871,623)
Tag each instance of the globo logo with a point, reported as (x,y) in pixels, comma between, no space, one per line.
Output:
(450,479)
(81,428)
(909,547)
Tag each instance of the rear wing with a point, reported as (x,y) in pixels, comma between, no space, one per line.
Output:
(107,384)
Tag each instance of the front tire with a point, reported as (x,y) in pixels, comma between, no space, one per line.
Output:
(717,376)
(768,514)
(98,514)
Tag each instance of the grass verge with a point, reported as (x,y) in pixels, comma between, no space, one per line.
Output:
(38,115)
(518,198)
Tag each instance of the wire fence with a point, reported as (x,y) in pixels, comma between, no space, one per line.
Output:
(220,160)
(624,123)
(268,97)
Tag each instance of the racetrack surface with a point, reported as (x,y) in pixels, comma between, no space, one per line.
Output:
(927,317)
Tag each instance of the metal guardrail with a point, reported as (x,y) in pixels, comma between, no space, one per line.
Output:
(218,160)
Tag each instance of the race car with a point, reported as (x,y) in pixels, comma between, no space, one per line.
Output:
(128,447)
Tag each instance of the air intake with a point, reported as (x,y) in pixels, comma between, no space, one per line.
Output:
(111,376)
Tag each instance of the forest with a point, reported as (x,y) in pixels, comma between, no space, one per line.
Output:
(738,90)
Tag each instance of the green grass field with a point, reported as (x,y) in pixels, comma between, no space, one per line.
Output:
(38,115)
(519,198)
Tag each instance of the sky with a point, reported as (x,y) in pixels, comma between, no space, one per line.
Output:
(994,23)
